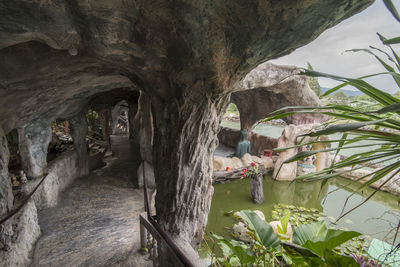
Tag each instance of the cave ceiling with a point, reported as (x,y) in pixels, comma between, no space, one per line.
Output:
(55,55)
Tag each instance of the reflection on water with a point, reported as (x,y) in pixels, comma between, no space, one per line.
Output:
(234,196)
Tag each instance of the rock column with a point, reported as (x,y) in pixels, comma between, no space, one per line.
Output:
(256,188)
(133,108)
(34,140)
(6,196)
(185,137)
(79,131)
(105,116)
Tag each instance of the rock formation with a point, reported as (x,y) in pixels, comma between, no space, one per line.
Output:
(256,188)
(270,87)
(55,56)
(289,138)
(79,132)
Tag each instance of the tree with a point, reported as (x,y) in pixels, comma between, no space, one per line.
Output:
(313,82)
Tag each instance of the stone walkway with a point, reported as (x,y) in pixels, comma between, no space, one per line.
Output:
(97,220)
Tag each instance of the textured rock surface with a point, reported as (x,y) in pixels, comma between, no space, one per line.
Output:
(61,172)
(256,188)
(289,137)
(6,196)
(146,132)
(361,175)
(79,127)
(187,55)
(25,233)
(149,173)
(34,139)
(287,172)
(270,87)
(221,163)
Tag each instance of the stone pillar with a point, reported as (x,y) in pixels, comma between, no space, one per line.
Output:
(323,159)
(146,128)
(79,131)
(145,140)
(133,109)
(6,195)
(105,116)
(34,140)
(185,138)
(288,171)
(142,134)
(256,188)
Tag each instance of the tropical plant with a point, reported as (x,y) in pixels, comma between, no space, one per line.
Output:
(313,245)
(374,125)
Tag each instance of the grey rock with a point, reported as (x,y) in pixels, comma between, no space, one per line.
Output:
(6,196)
(79,131)
(256,188)
(270,87)
(146,127)
(34,139)
(61,173)
(25,233)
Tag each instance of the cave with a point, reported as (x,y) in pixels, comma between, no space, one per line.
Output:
(174,63)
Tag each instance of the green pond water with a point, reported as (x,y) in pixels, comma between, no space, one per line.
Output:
(375,218)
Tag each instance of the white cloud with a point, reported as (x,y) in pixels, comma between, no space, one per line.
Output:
(327,52)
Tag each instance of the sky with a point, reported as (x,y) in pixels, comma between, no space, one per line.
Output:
(327,52)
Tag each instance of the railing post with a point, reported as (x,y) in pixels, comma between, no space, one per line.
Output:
(143,238)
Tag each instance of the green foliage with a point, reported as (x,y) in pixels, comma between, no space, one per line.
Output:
(232,108)
(260,230)
(317,237)
(283,231)
(313,245)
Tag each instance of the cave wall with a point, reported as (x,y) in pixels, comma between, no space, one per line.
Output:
(188,56)
(61,172)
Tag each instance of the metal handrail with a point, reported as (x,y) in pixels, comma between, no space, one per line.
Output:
(175,249)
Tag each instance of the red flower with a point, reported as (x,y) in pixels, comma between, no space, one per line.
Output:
(228,169)
(243,175)
(253,164)
(244,170)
